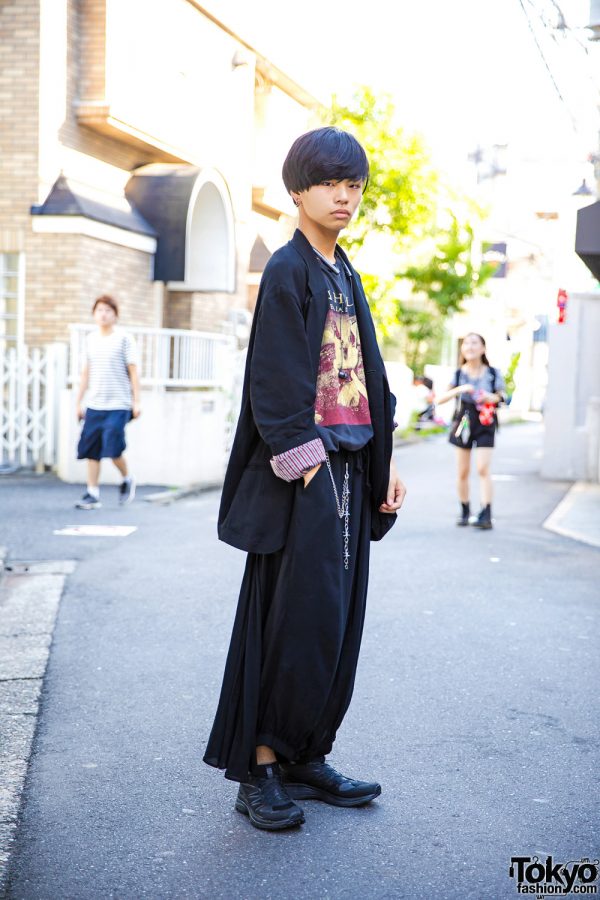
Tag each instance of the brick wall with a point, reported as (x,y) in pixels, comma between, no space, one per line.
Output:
(177,311)
(87,24)
(65,274)
(210,310)
(19,62)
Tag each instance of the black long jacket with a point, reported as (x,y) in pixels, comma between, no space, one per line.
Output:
(278,400)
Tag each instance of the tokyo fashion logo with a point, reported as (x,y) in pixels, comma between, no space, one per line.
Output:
(549,878)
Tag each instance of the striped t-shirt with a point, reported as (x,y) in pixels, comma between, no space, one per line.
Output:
(108,356)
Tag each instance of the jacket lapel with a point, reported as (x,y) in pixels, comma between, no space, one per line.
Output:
(317,300)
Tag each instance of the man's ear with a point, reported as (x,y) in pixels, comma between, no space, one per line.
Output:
(295,198)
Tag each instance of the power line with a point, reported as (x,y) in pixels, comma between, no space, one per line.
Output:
(548,69)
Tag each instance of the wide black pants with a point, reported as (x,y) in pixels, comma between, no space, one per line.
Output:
(292,660)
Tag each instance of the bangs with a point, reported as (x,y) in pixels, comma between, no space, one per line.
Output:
(322,155)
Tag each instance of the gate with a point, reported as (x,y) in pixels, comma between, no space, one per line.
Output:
(29,384)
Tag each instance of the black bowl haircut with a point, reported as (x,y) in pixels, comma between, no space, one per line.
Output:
(325,154)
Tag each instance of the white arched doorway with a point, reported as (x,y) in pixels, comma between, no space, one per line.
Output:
(210,237)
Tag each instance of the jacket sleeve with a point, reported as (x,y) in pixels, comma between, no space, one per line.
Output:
(282,382)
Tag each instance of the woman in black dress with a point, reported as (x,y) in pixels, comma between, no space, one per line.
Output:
(478,389)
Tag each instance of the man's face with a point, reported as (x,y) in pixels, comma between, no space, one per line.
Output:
(104,315)
(330,204)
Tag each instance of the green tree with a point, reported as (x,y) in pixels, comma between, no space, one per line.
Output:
(402,181)
(408,205)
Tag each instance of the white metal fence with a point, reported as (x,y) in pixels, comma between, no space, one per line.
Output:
(29,384)
(169,357)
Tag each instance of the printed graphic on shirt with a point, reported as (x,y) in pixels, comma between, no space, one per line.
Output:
(341,387)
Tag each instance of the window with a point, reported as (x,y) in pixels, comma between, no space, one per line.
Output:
(11,289)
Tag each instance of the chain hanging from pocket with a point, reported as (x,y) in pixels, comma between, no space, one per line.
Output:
(343,508)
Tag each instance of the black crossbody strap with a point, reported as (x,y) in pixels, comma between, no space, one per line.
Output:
(456,381)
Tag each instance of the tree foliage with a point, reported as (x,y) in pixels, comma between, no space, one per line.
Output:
(428,232)
(402,182)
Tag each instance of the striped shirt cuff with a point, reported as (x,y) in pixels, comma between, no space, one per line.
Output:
(295,462)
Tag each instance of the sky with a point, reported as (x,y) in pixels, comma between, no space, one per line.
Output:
(462,73)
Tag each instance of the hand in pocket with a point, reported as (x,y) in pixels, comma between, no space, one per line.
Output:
(308,476)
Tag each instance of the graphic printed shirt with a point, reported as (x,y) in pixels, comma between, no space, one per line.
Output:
(342,413)
(342,406)
(108,356)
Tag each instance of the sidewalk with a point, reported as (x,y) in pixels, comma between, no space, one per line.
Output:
(577,516)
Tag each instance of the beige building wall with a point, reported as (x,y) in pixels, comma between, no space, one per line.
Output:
(96,88)
(19,100)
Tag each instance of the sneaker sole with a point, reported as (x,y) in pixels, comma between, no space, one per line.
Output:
(263,824)
(299,791)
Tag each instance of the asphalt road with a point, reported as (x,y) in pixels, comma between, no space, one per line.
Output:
(476,704)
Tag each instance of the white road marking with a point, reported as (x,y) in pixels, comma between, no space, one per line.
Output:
(97,531)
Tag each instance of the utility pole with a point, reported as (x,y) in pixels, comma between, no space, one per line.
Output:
(594,27)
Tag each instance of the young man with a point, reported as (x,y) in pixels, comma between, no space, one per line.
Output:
(309,483)
(111,379)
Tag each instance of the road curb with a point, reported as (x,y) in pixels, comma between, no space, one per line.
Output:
(30,594)
(164,498)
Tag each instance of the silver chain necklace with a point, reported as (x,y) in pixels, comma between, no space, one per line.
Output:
(343,508)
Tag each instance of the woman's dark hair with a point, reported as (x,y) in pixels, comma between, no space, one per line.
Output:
(484,359)
(321,155)
(110,301)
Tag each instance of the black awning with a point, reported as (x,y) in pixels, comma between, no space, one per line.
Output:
(162,194)
(63,200)
(587,237)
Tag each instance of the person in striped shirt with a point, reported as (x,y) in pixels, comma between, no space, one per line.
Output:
(110,379)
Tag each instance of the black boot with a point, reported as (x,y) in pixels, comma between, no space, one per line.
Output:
(484,519)
(265,800)
(463,519)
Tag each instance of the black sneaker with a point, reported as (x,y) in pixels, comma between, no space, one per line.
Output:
(126,491)
(317,780)
(88,501)
(266,801)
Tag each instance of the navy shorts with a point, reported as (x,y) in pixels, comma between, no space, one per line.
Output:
(103,433)
(480,436)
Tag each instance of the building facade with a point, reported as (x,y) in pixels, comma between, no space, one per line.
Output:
(140,155)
